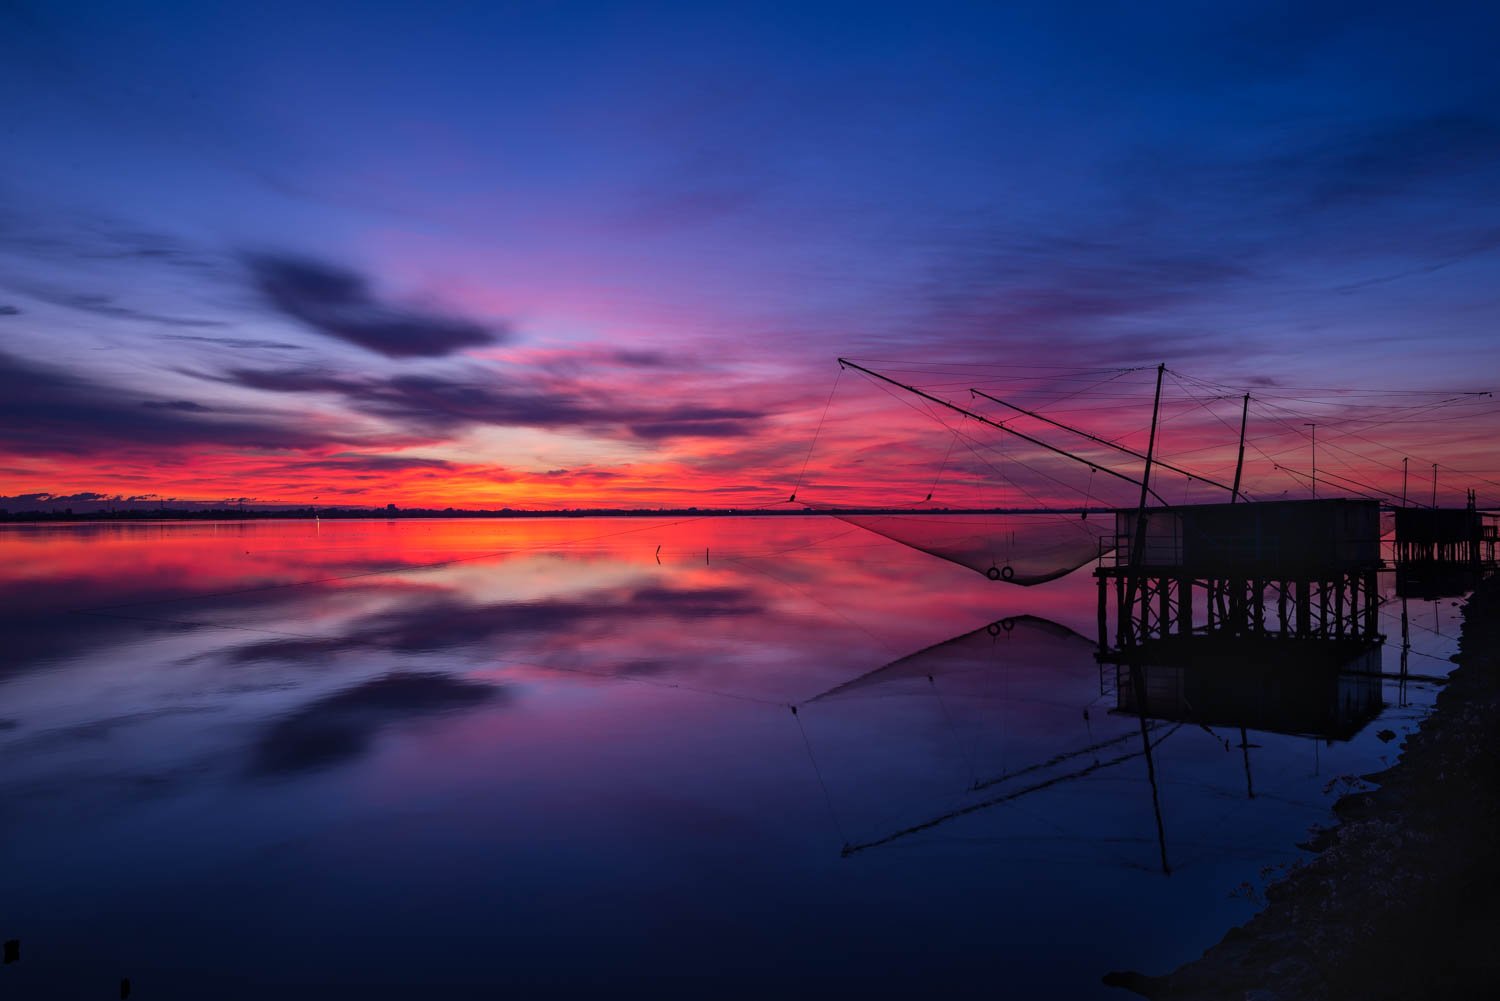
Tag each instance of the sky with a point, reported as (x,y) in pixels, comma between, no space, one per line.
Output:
(565,255)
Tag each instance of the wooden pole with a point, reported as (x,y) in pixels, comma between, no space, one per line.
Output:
(1239,464)
(1102,441)
(1001,427)
(1138,545)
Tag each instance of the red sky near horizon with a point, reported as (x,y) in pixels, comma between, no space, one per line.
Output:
(559,257)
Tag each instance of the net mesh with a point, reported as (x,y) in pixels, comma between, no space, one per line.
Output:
(1024,549)
(968,663)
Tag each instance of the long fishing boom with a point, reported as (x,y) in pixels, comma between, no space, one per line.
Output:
(996,424)
(1105,442)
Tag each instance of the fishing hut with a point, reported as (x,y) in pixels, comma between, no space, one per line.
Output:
(1443,552)
(1446,535)
(1286,569)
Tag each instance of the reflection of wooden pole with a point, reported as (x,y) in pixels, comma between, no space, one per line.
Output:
(1405,650)
(1138,683)
(1245,746)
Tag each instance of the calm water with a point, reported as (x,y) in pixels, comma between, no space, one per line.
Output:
(422,759)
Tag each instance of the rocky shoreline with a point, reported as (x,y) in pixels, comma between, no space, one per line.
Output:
(1400,899)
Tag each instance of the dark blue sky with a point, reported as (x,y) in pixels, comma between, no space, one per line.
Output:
(487,243)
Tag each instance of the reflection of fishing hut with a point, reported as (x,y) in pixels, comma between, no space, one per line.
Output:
(1327,688)
(1430,581)
(1290,569)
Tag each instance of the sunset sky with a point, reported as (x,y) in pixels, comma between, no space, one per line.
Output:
(558,255)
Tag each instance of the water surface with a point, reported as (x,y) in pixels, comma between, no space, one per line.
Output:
(426,758)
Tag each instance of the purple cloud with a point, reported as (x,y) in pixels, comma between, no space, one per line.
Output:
(338,303)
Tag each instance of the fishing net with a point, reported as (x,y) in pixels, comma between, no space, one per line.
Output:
(1001,502)
(1023,549)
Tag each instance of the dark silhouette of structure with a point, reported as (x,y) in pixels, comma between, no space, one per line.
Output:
(1290,569)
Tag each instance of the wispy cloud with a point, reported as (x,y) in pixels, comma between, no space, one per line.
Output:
(338,303)
(446,403)
(46,410)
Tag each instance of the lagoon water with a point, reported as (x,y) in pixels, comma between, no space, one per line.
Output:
(410,758)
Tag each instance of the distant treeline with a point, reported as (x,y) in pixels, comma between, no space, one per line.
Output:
(392,512)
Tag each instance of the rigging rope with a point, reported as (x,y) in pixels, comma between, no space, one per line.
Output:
(814,443)
(827,798)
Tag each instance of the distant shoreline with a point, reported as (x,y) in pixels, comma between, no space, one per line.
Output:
(389,514)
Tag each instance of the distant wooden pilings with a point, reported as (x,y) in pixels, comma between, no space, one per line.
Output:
(1454,536)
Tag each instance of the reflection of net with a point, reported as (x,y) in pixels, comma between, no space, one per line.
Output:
(968,664)
(1020,548)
